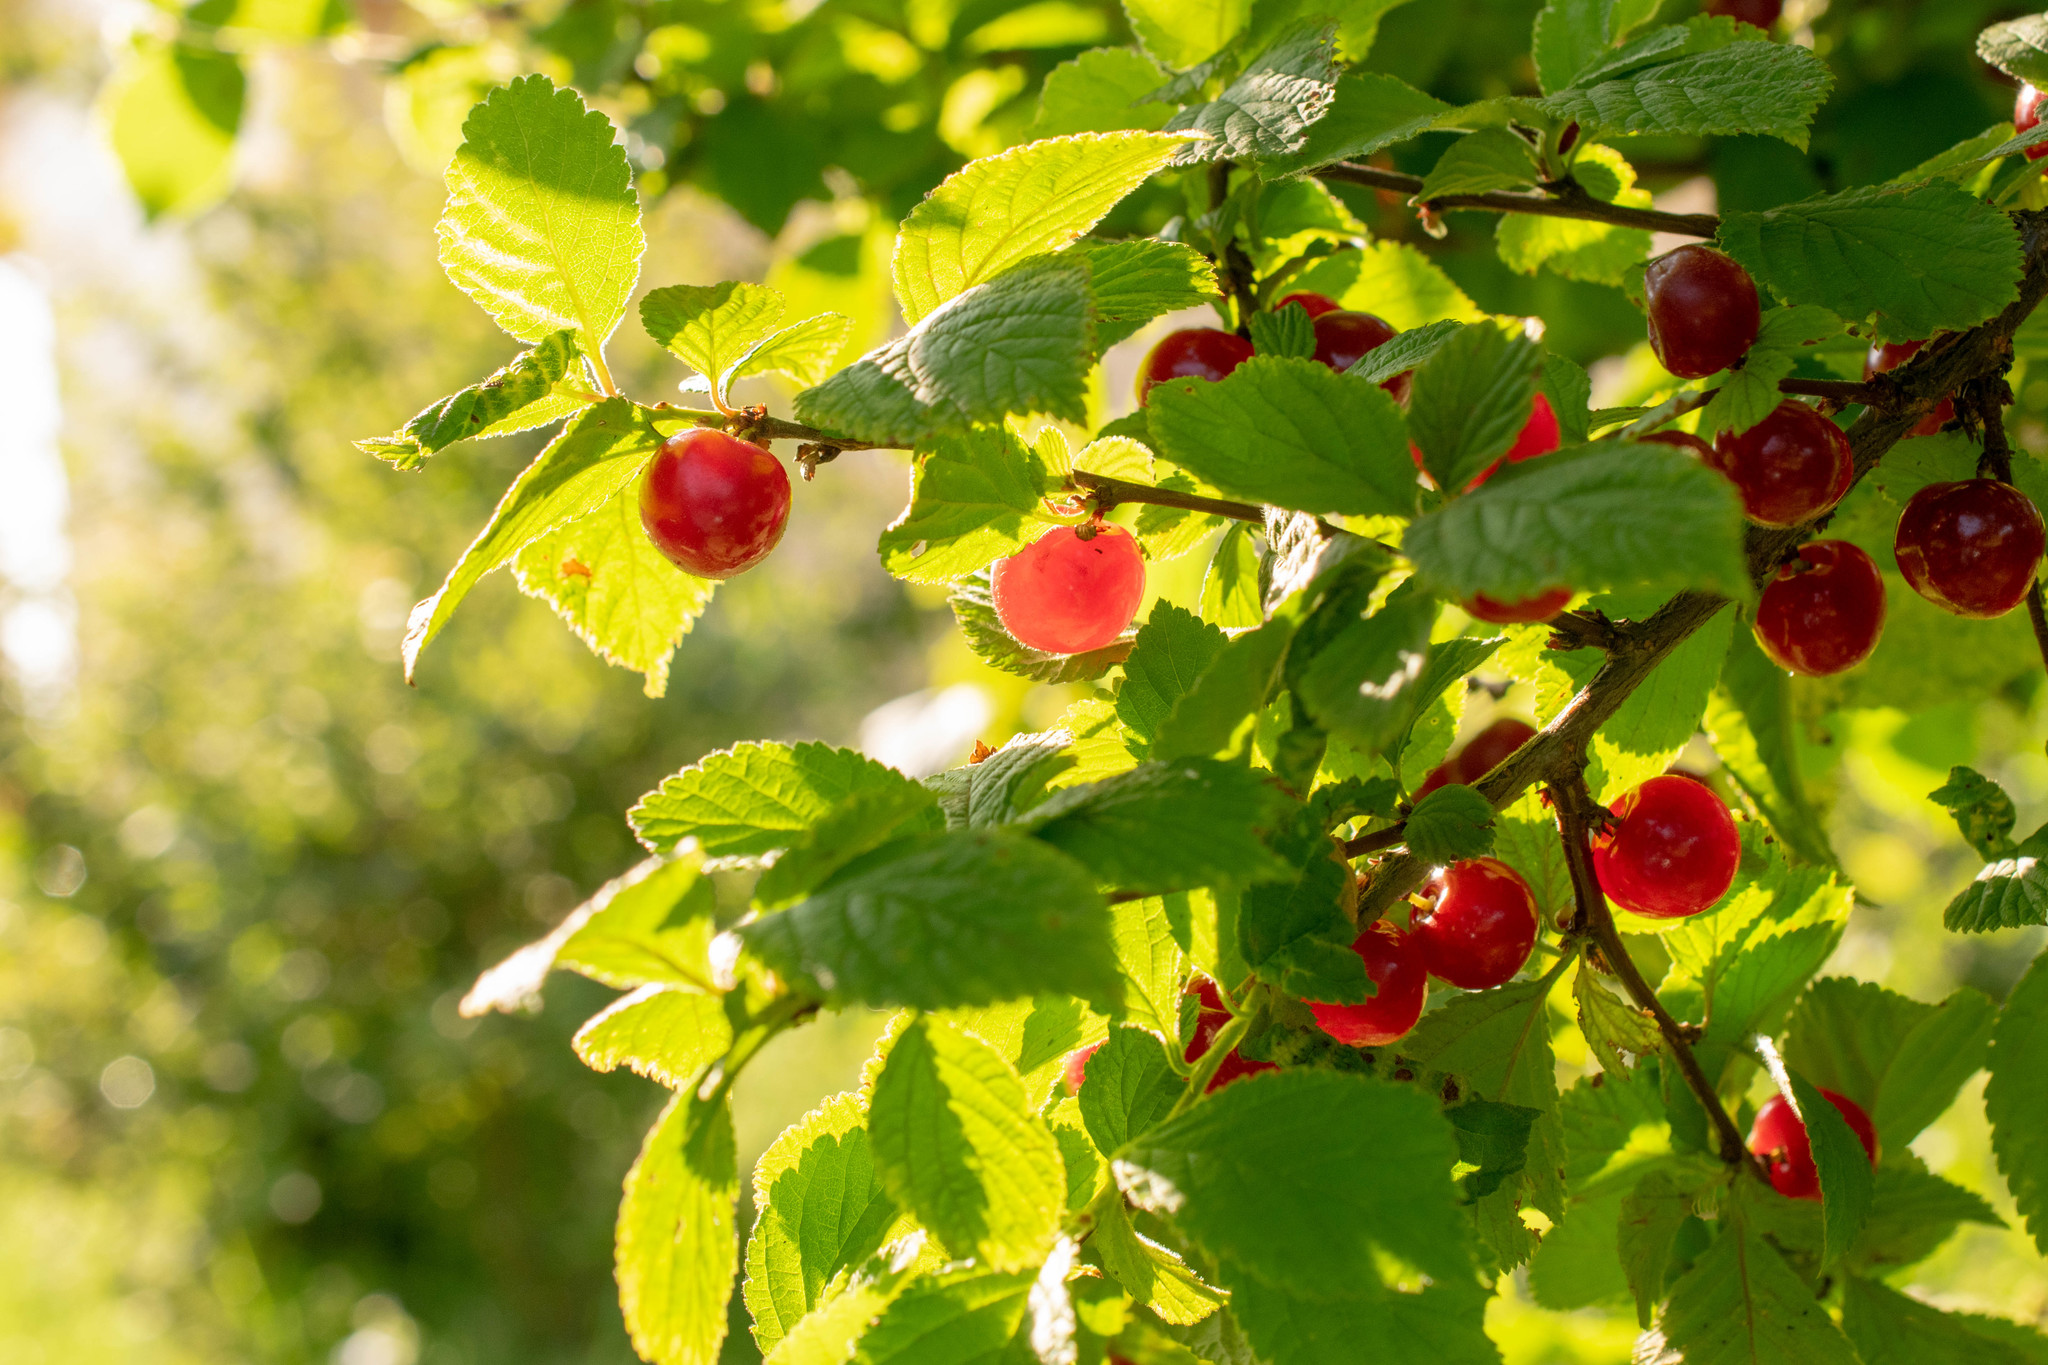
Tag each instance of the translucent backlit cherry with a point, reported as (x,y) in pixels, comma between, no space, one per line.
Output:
(1893,354)
(2026,112)
(1682,440)
(1789,468)
(1761,13)
(1480,755)
(1393,959)
(1210,1017)
(1672,850)
(1192,353)
(1824,610)
(1971,547)
(1067,595)
(1480,926)
(1077,1066)
(1778,1137)
(1344,338)
(1315,304)
(712,504)
(1544,606)
(1703,311)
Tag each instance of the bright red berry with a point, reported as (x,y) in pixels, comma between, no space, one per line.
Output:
(1314,304)
(2026,112)
(1682,440)
(713,505)
(1066,595)
(1480,755)
(1539,435)
(1077,1066)
(1193,353)
(1544,606)
(1824,610)
(1789,468)
(1393,960)
(1703,311)
(1779,1139)
(1672,851)
(1893,354)
(1480,929)
(1971,547)
(1210,1017)
(1761,13)
(1345,338)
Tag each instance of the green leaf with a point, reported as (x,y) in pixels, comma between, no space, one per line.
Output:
(542,228)
(1151,937)
(1750,721)
(1441,1324)
(2006,895)
(1286,333)
(1450,824)
(1367,682)
(1266,112)
(1230,589)
(1183,33)
(1370,111)
(1575,1265)
(512,399)
(1570,391)
(974,611)
(1101,91)
(1290,432)
(1471,399)
(621,596)
(1920,259)
(1404,351)
(1492,1137)
(1772,89)
(1151,1273)
(1648,1224)
(1615,1030)
(964,918)
(1633,516)
(973,500)
(1172,651)
(1982,811)
(595,456)
(2015,1101)
(171,111)
(1137,281)
(957,1147)
(1034,1036)
(1902,1060)
(753,798)
(806,351)
(820,1209)
(659,1032)
(995,212)
(1740,1304)
(1353,1167)
(1490,159)
(1296,934)
(863,821)
(676,1246)
(1912,1212)
(1750,394)
(1571,34)
(2018,47)
(1129,1087)
(1214,716)
(1845,1173)
(1167,826)
(1392,279)
(963,1317)
(1525,838)
(1660,717)
(830,1333)
(1890,1329)
(711,327)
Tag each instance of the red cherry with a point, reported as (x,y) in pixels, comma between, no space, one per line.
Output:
(1193,353)
(1543,606)
(1824,610)
(713,505)
(1394,962)
(1761,13)
(1673,851)
(1210,1017)
(1789,468)
(1315,304)
(1538,436)
(1779,1138)
(2026,112)
(1480,755)
(1703,311)
(1682,440)
(1479,932)
(1345,338)
(1066,595)
(1970,547)
(1077,1066)
(1893,354)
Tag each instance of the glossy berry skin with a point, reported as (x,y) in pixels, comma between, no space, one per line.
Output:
(1544,606)
(1703,311)
(1672,852)
(1393,960)
(713,505)
(1789,468)
(1893,354)
(1210,1017)
(1077,1066)
(1970,548)
(1315,304)
(1682,440)
(1345,338)
(2026,112)
(1823,612)
(1066,595)
(1761,13)
(1480,755)
(1193,353)
(1479,932)
(1779,1139)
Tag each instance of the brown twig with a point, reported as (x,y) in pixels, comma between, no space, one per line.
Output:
(1841,391)
(1109,492)
(1237,267)
(1565,199)
(1375,841)
(1997,464)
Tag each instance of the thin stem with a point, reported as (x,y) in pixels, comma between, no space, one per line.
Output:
(1558,202)
(2038,614)
(1220,1047)
(1375,841)
(1109,492)
(604,375)
(1237,267)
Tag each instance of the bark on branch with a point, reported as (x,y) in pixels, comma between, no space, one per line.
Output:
(1564,199)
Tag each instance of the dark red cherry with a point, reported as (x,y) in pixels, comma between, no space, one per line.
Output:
(1393,960)
(1345,338)
(1479,930)
(1789,468)
(1544,606)
(1682,440)
(1077,1066)
(2026,112)
(1824,610)
(1703,311)
(1779,1139)
(1066,595)
(1210,1017)
(713,505)
(1761,13)
(1480,755)
(1972,547)
(1193,353)
(1672,850)
(1315,304)
(1893,354)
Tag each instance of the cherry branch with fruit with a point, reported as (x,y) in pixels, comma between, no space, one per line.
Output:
(1184,984)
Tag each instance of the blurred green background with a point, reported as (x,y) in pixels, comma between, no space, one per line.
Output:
(245,872)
